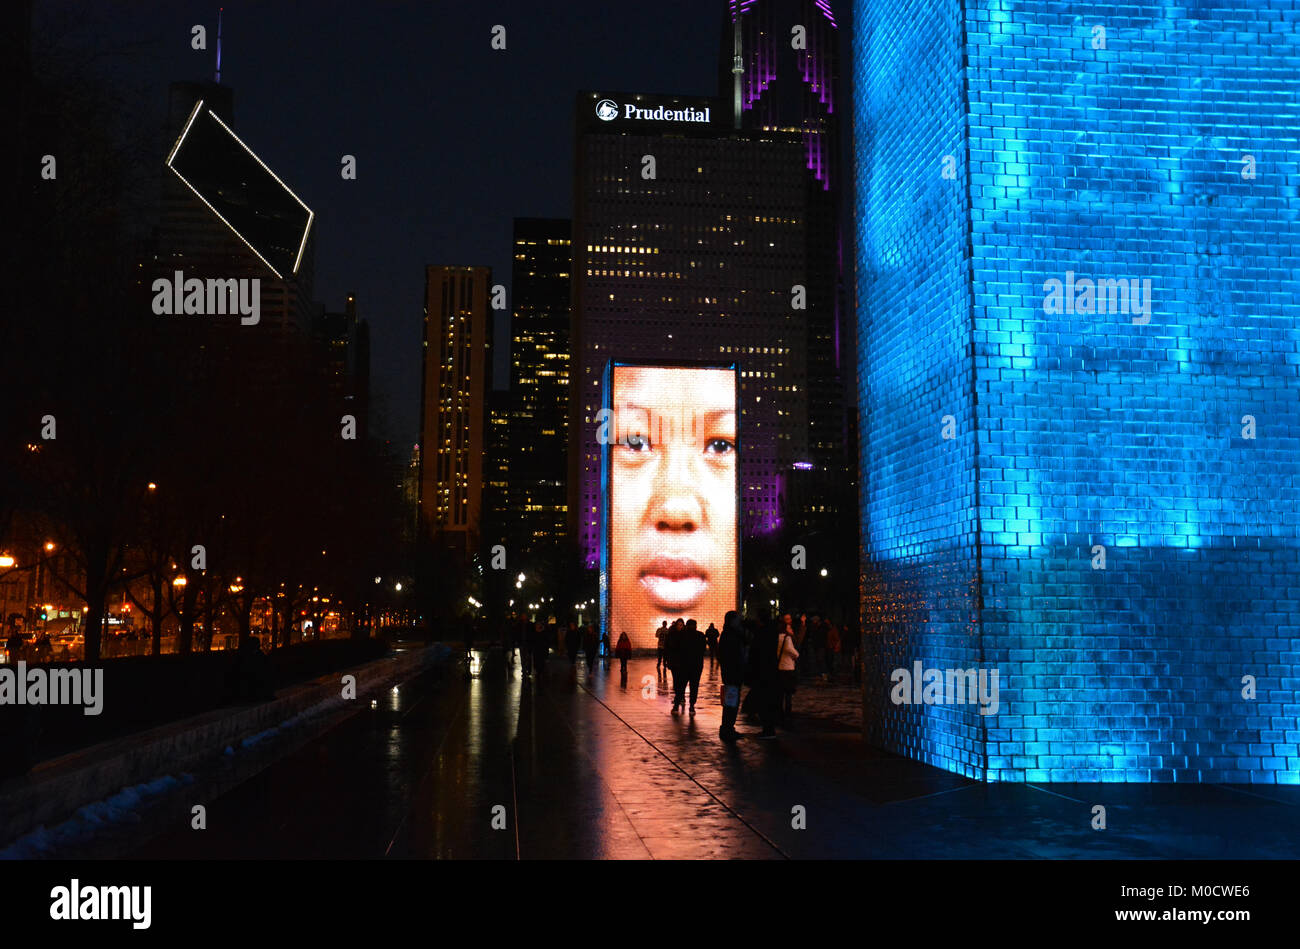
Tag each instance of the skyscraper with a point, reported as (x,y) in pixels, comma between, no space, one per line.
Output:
(1078,331)
(457,355)
(225,214)
(779,71)
(699,253)
(539,383)
(344,341)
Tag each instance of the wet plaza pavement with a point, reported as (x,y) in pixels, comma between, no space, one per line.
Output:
(498,766)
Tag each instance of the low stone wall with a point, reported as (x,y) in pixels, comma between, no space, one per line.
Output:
(55,789)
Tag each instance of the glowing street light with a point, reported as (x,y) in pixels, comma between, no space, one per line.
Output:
(823,571)
(180,581)
(7,561)
(398,588)
(49,545)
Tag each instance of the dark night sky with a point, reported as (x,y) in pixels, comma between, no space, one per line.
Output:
(453,139)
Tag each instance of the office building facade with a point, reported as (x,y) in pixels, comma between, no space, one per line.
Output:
(457,355)
(540,355)
(690,242)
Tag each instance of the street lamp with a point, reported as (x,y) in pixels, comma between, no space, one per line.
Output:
(180,581)
(7,561)
(823,571)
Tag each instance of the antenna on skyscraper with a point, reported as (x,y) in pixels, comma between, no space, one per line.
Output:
(737,70)
(220,10)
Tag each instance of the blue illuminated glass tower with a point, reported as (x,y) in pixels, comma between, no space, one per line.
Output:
(1078,234)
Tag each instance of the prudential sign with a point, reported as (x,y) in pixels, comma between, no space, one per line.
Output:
(607,110)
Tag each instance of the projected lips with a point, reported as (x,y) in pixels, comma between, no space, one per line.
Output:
(674,583)
(672,475)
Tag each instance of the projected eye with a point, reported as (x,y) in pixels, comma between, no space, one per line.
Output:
(637,442)
(719,446)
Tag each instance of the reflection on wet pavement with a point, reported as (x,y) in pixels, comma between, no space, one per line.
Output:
(586,766)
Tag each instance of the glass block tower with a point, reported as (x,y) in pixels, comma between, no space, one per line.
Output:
(1079,346)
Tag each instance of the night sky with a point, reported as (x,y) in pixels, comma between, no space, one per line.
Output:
(453,139)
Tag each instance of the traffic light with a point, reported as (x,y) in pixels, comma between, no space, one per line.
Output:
(43,616)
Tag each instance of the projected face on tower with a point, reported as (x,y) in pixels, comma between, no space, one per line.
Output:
(673,471)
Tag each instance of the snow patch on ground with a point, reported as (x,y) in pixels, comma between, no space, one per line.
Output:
(122,808)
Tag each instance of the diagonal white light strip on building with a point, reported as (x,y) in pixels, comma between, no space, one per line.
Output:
(185,131)
(277,273)
(311,215)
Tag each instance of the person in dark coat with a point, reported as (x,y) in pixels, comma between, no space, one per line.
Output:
(690,661)
(762,676)
(672,657)
(590,645)
(624,652)
(541,644)
(731,659)
(711,637)
(572,641)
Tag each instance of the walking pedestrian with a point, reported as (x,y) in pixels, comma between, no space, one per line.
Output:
(661,639)
(572,641)
(692,662)
(541,644)
(672,658)
(761,674)
(799,631)
(624,652)
(711,638)
(832,648)
(787,657)
(816,641)
(731,653)
(604,648)
(590,644)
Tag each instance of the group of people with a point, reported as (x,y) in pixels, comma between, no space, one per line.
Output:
(766,657)
(534,641)
(681,648)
